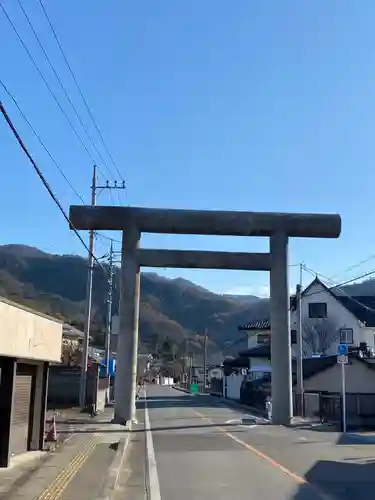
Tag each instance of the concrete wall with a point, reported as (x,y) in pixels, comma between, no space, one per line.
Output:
(337,315)
(233,385)
(63,386)
(359,379)
(27,334)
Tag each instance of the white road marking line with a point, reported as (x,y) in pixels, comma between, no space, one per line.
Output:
(153,485)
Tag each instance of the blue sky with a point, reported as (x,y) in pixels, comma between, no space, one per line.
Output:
(244,105)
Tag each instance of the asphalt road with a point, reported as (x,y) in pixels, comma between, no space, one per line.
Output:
(198,449)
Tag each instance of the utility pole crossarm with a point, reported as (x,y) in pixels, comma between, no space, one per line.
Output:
(114,185)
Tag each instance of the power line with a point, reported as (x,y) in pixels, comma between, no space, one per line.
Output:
(62,86)
(311,271)
(43,179)
(108,238)
(46,83)
(79,89)
(359,264)
(339,285)
(40,141)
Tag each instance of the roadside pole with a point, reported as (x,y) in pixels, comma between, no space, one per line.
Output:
(342,359)
(300,388)
(343,396)
(86,340)
(108,355)
(205,359)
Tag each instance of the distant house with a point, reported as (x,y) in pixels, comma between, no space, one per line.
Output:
(324,375)
(71,347)
(330,318)
(259,342)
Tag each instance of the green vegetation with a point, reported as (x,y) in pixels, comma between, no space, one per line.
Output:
(171,311)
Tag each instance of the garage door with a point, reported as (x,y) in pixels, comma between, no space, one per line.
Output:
(22,403)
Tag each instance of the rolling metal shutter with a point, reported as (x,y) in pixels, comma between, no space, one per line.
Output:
(22,404)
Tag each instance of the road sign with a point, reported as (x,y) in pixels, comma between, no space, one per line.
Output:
(342,359)
(343,349)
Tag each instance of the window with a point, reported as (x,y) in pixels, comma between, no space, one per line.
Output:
(317,310)
(346,336)
(263,338)
(293,337)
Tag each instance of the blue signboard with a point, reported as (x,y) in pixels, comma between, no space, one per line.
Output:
(343,350)
(111,368)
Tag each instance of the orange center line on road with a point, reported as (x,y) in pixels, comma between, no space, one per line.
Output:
(297,479)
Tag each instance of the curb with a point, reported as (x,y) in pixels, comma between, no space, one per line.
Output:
(229,402)
(112,477)
(181,389)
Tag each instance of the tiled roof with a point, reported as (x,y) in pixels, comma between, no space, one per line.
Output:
(262,324)
(312,366)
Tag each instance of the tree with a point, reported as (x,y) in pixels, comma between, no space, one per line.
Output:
(319,336)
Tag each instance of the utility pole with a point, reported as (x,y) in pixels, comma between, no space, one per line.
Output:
(205,359)
(190,377)
(86,341)
(109,314)
(107,355)
(300,389)
(94,193)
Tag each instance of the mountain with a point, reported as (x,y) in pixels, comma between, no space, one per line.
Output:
(366,287)
(246,299)
(170,308)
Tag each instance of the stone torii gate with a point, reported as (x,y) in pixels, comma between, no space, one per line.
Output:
(134,221)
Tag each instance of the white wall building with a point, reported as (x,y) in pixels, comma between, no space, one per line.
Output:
(329,319)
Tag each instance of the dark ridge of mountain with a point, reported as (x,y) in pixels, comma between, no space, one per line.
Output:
(245,299)
(23,251)
(366,287)
(173,308)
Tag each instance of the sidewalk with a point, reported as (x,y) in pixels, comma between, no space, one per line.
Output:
(89,448)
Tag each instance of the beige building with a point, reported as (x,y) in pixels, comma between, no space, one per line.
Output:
(29,341)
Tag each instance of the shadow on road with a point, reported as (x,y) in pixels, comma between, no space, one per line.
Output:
(177,402)
(73,421)
(346,480)
(154,429)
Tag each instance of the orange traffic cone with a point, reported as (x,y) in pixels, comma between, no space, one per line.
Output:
(52,432)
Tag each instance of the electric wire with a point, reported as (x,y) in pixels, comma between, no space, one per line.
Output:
(337,286)
(44,181)
(63,87)
(47,84)
(41,141)
(80,90)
